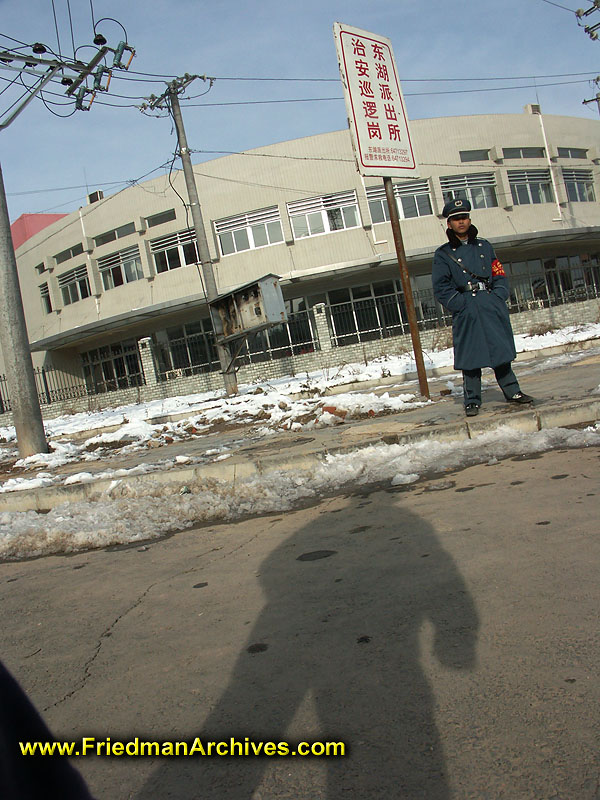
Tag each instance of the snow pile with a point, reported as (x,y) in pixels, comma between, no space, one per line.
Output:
(301,403)
(145,510)
(272,412)
(573,333)
(213,407)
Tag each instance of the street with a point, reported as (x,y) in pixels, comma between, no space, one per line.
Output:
(445,630)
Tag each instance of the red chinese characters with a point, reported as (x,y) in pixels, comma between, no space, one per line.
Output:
(377,69)
(366,89)
(374,100)
(374,130)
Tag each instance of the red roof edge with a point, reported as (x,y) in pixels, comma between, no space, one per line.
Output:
(27,225)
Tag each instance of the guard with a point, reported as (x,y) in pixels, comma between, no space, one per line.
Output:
(471,283)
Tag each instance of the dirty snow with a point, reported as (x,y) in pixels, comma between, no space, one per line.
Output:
(300,394)
(145,509)
(302,403)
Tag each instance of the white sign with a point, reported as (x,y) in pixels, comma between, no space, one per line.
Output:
(376,111)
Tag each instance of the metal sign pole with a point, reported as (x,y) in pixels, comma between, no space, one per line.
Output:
(380,136)
(406,287)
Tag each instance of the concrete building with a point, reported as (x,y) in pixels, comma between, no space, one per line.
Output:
(113,292)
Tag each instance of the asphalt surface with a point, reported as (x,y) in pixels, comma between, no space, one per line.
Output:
(446,631)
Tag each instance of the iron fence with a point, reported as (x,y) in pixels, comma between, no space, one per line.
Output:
(381,317)
(54,386)
(196,354)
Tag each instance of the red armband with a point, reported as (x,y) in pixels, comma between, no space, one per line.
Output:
(497,268)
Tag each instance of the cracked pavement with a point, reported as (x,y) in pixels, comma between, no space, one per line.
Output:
(157,640)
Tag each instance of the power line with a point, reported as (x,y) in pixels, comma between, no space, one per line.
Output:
(550,3)
(71,26)
(274,155)
(413,80)
(56,28)
(93,20)
(407,94)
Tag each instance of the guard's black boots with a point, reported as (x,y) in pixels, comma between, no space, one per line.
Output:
(520,398)
(471,410)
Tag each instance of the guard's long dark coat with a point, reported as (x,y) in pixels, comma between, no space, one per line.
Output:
(481,327)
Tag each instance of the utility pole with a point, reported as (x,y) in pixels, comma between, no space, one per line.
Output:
(210,286)
(24,400)
(595,99)
(27,415)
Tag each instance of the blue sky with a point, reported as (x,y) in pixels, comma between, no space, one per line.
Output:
(49,161)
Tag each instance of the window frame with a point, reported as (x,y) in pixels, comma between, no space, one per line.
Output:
(524,188)
(324,208)
(471,186)
(468,156)
(520,153)
(115,265)
(567,152)
(74,285)
(403,193)
(116,233)
(161,218)
(174,250)
(70,252)
(577,182)
(45,298)
(247,224)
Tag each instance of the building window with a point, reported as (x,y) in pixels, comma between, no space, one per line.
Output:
(186,349)
(122,267)
(46,300)
(114,366)
(249,231)
(474,155)
(76,250)
(326,214)
(175,250)
(580,185)
(413,199)
(523,152)
(74,285)
(41,268)
(159,219)
(478,188)
(571,152)
(365,313)
(529,186)
(294,337)
(117,233)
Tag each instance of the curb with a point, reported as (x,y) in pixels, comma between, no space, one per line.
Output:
(42,500)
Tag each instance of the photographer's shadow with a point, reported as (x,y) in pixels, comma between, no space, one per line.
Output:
(339,630)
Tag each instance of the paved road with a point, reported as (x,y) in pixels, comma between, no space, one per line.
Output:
(446,630)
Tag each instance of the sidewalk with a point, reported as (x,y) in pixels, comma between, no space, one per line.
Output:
(564,380)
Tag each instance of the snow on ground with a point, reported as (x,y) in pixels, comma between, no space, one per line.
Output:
(291,403)
(212,407)
(270,410)
(145,509)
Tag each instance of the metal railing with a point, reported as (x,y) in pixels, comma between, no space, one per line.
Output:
(194,355)
(381,317)
(543,299)
(54,386)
